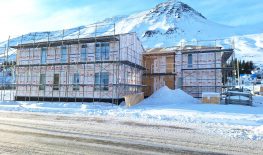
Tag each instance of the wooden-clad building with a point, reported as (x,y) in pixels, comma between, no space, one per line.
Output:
(160,70)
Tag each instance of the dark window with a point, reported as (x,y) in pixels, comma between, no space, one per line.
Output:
(83,54)
(42,82)
(102,51)
(43,55)
(63,54)
(190,60)
(76,81)
(56,82)
(102,81)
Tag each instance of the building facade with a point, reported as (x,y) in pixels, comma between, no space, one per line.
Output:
(194,69)
(93,69)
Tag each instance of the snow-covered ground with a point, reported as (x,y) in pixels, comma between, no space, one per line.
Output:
(165,107)
(7,95)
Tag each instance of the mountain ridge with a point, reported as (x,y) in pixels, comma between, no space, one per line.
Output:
(165,25)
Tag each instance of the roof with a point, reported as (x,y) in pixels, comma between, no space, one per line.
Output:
(61,42)
(160,51)
(188,49)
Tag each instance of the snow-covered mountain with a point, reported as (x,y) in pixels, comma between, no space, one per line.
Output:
(164,25)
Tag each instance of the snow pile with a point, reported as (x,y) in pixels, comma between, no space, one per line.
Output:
(167,97)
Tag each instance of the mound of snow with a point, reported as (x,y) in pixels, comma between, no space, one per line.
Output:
(167,97)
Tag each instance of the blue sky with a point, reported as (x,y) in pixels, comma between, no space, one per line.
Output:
(230,12)
(19,17)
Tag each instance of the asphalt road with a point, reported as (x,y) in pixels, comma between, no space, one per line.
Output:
(31,133)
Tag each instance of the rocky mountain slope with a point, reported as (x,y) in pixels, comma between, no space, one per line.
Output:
(165,25)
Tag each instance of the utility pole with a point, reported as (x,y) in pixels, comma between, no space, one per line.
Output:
(7,48)
(238,76)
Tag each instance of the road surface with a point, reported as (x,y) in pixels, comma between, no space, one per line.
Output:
(32,133)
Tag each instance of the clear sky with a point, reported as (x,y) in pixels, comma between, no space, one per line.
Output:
(23,16)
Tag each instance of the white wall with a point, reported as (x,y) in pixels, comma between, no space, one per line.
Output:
(207,78)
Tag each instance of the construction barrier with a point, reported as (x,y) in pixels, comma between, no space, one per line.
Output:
(131,100)
(261,91)
(211,97)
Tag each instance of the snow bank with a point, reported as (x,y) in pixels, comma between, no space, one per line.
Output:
(165,106)
(226,120)
(167,97)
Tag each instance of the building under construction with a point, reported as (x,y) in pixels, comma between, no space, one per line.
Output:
(91,69)
(100,66)
(194,69)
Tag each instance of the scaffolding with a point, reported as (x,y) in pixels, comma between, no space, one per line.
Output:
(85,65)
(160,70)
(203,66)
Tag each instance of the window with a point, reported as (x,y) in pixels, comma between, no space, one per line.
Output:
(83,53)
(190,60)
(42,82)
(102,81)
(76,81)
(43,55)
(63,54)
(56,82)
(102,51)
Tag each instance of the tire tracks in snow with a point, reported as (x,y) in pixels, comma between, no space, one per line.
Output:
(116,136)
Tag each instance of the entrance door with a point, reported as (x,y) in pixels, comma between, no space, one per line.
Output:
(158,83)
